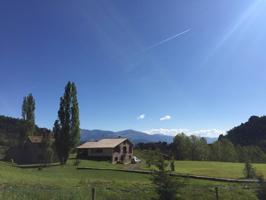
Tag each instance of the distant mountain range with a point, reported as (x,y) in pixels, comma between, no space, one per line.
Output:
(135,136)
(10,129)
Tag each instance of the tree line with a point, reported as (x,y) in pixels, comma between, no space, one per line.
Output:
(193,147)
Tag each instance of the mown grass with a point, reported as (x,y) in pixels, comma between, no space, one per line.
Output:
(215,169)
(66,175)
(66,182)
(210,168)
(99,164)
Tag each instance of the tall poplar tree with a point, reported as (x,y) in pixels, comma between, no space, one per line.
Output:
(28,112)
(24,108)
(66,127)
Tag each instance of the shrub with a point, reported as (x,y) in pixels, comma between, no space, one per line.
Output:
(249,171)
(166,186)
(261,192)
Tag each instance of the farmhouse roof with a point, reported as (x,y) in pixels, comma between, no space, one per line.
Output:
(35,139)
(103,143)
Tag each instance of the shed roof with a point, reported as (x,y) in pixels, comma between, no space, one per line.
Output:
(103,143)
(35,139)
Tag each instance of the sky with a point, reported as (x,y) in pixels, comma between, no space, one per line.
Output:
(154,66)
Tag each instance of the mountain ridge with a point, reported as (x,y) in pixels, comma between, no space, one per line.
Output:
(133,135)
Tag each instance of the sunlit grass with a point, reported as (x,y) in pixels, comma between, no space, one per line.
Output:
(215,169)
(66,182)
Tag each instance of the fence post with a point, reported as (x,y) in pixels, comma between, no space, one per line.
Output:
(93,193)
(216,193)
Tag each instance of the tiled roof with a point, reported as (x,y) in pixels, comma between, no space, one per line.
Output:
(35,139)
(104,143)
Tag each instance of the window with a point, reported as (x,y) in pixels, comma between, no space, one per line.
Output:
(97,150)
(125,149)
(130,149)
(117,149)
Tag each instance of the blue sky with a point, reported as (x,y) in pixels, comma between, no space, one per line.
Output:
(197,66)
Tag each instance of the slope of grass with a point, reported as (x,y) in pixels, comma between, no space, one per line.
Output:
(66,182)
(69,183)
(209,168)
(215,169)
(63,175)
(99,164)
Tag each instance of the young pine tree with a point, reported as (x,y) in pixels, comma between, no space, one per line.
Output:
(249,171)
(166,186)
(172,165)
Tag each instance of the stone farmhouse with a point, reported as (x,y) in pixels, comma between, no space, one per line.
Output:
(119,150)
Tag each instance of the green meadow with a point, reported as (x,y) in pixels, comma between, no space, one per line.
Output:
(66,182)
(216,169)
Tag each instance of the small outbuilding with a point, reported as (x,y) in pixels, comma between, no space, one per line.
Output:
(118,150)
(31,152)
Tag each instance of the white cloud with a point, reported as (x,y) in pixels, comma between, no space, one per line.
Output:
(140,117)
(166,117)
(164,131)
(208,132)
(174,132)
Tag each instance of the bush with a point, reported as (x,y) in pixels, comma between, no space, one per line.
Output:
(76,162)
(261,192)
(249,171)
(166,186)
(172,165)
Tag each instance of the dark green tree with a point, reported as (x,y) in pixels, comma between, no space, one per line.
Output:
(151,157)
(249,171)
(24,108)
(228,152)
(181,147)
(172,165)
(66,127)
(223,150)
(166,186)
(198,148)
(28,112)
(48,150)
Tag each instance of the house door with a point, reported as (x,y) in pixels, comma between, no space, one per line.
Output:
(122,158)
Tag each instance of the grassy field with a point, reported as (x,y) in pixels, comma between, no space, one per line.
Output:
(215,169)
(202,168)
(67,182)
(210,168)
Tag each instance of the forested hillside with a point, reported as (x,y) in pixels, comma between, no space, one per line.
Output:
(252,132)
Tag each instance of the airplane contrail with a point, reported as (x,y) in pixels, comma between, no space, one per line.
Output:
(165,40)
(144,50)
